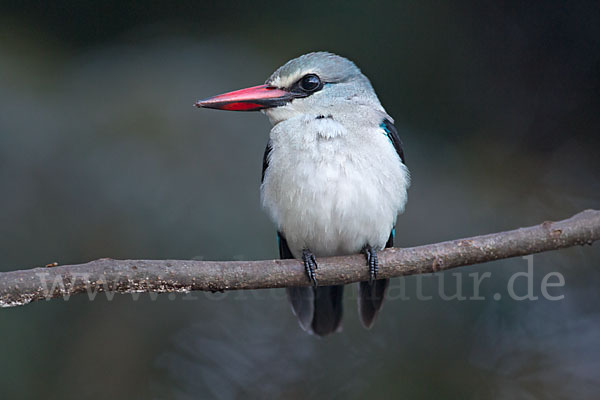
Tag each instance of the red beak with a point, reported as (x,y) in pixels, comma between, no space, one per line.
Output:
(250,99)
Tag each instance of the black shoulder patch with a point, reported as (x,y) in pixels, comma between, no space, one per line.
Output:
(392,134)
(266,160)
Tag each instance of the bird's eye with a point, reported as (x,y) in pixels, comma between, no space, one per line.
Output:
(310,83)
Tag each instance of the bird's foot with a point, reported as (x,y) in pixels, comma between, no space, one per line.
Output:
(310,264)
(372,262)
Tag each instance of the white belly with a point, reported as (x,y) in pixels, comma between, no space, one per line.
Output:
(333,195)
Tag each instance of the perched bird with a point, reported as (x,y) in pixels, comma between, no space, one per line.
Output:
(333,178)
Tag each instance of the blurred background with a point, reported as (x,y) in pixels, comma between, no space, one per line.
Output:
(103,155)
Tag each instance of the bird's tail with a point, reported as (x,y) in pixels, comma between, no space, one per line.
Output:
(370,300)
(319,310)
(372,294)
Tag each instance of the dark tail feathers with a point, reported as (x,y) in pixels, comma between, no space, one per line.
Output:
(370,300)
(319,310)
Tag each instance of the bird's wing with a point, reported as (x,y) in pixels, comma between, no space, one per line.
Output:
(390,242)
(266,162)
(284,250)
(392,134)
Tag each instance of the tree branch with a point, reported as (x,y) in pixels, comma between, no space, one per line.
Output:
(126,276)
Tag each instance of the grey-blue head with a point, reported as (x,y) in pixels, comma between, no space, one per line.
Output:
(314,83)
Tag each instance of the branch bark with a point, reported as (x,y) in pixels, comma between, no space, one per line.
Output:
(126,276)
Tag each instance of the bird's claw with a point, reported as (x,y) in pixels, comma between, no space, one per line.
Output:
(310,264)
(372,262)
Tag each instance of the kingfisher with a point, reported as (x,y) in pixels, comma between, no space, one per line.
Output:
(333,177)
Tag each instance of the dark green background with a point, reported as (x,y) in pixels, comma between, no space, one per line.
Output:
(103,155)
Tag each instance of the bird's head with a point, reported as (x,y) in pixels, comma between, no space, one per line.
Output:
(313,84)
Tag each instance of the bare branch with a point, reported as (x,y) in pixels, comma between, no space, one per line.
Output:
(125,276)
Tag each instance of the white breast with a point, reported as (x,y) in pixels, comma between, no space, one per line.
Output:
(333,189)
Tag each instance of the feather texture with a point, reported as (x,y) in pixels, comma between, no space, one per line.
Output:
(333,180)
